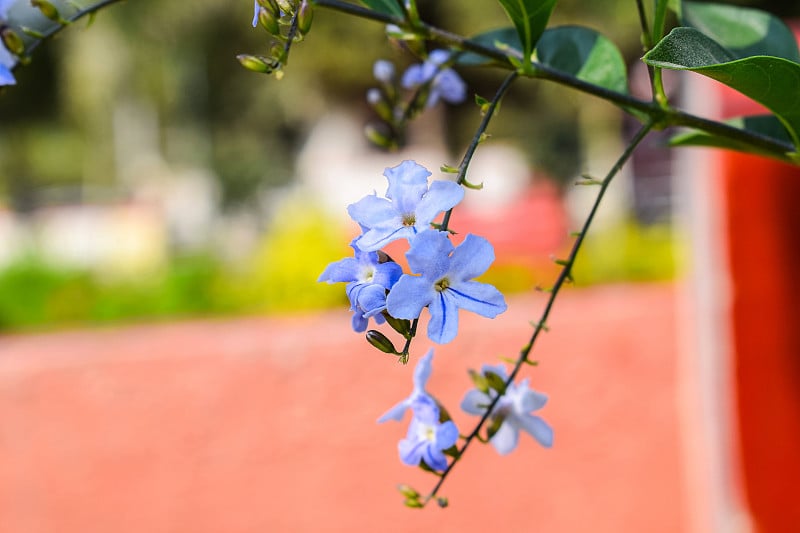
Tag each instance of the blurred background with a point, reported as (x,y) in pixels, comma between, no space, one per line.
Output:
(164,345)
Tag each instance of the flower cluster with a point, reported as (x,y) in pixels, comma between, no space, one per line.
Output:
(426,84)
(432,434)
(441,277)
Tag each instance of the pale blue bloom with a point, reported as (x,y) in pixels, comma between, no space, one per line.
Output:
(367,282)
(5,5)
(421,374)
(515,408)
(445,82)
(7,59)
(443,283)
(427,437)
(256,9)
(383,71)
(409,207)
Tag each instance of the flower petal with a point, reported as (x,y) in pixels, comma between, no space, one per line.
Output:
(411,450)
(450,86)
(443,325)
(429,254)
(480,298)
(372,211)
(372,300)
(538,429)
(434,457)
(441,196)
(396,412)
(413,76)
(408,296)
(358,322)
(505,440)
(378,237)
(446,435)
(528,399)
(344,270)
(423,371)
(255,13)
(387,274)
(472,258)
(408,182)
(475,402)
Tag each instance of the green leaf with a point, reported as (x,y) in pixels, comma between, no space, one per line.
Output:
(504,39)
(388,7)
(765,125)
(584,54)
(530,19)
(770,81)
(743,31)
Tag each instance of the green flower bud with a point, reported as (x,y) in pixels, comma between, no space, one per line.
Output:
(285,6)
(381,342)
(49,10)
(480,381)
(258,63)
(379,138)
(408,492)
(268,21)
(495,382)
(13,41)
(305,16)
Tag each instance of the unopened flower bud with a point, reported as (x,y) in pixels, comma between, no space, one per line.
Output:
(379,138)
(268,21)
(381,342)
(257,63)
(305,16)
(13,41)
(271,7)
(285,6)
(379,104)
(407,491)
(49,10)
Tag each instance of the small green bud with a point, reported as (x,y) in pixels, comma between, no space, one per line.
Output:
(495,382)
(380,105)
(497,421)
(32,33)
(400,325)
(49,10)
(379,138)
(13,41)
(305,15)
(381,342)
(480,381)
(408,492)
(414,503)
(268,21)
(260,64)
(285,6)
(270,6)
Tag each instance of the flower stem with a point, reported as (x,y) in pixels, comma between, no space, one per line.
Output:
(563,276)
(476,139)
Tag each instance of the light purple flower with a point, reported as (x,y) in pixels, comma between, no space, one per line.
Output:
(421,374)
(7,59)
(445,83)
(409,207)
(443,283)
(383,71)
(515,408)
(427,436)
(367,282)
(256,9)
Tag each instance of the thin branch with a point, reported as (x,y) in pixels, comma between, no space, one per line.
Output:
(563,276)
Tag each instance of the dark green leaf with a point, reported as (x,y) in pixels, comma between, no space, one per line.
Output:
(502,39)
(530,19)
(770,81)
(743,31)
(765,125)
(584,54)
(389,7)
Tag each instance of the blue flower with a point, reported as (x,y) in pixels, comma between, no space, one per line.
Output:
(421,374)
(7,59)
(444,283)
(367,282)
(409,207)
(513,409)
(444,82)
(383,71)
(427,436)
